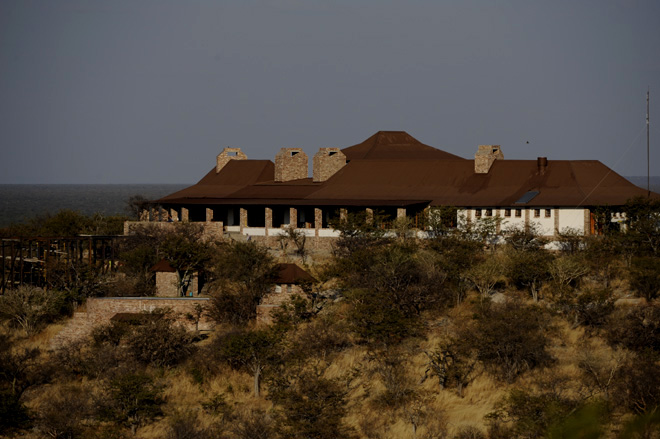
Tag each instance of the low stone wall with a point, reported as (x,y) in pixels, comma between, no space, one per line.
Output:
(101,309)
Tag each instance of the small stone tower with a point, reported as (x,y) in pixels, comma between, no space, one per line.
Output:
(226,155)
(290,164)
(327,162)
(485,156)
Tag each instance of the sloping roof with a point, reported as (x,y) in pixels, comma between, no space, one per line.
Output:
(391,168)
(292,274)
(162,266)
(235,175)
(389,145)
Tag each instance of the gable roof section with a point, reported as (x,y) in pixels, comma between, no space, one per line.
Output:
(388,145)
(235,175)
(292,274)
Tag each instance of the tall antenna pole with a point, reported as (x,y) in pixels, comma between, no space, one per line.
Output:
(648,166)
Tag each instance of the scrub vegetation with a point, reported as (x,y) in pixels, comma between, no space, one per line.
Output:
(469,333)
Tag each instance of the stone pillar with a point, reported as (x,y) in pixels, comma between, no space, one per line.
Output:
(293,217)
(209,215)
(498,225)
(243,218)
(343,214)
(556,213)
(268,212)
(144,215)
(184,214)
(401,213)
(318,220)
(174,215)
(154,214)
(370,215)
(526,218)
(587,222)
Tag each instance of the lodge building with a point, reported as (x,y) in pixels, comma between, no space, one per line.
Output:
(396,174)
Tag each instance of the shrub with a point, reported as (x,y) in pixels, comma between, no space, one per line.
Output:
(645,277)
(310,407)
(131,399)
(31,308)
(508,339)
(63,414)
(637,329)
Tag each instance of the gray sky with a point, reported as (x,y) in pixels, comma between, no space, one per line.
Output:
(150,91)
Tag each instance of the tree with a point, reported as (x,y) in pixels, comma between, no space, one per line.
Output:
(643,222)
(131,399)
(528,269)
(310,407)
(187,252)
(525,238)
(566,273)
(485,275)
(244,273)
(508,339)
(253,351)
(645,277)
(31,308)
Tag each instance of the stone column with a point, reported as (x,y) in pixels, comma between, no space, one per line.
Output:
(184,214)
(318,220)
(370,215)
(556,213)
(144,215)
(343,214)
(174,215)
(526,218)
(587,222)
(154,214)
(209,215)
(243,218)
(293,217)
(401,213)
(268,212)
(498,226)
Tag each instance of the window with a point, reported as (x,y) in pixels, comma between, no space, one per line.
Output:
(548,213)
(289,288)
(518,213)
(507,212)
(278,288)
(537,213)
(489,212)
(477,213)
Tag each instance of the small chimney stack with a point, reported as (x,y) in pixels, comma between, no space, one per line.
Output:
(542,164)
(327,162)
(226,156)
(290,164)
(485,156)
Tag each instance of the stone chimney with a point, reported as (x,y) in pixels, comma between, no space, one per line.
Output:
(290,164)
(485,156)
(542,164)
(327,162)
(226,155)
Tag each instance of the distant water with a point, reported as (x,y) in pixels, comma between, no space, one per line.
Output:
(20,202)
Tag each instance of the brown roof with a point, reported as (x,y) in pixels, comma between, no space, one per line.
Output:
(391,168)
(292,274)
(162,266)
(388,145)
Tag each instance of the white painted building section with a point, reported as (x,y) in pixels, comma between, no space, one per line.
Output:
(571,219)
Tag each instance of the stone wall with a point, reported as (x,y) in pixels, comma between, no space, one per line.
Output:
(273,300)
(290,164)
(211,230)
(99,311)
(327,162)
(485,156)
(226,156)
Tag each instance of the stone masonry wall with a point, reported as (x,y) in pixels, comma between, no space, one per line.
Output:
(101,309)
(290,164)
(485,156)
(226,156)
(327,162)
